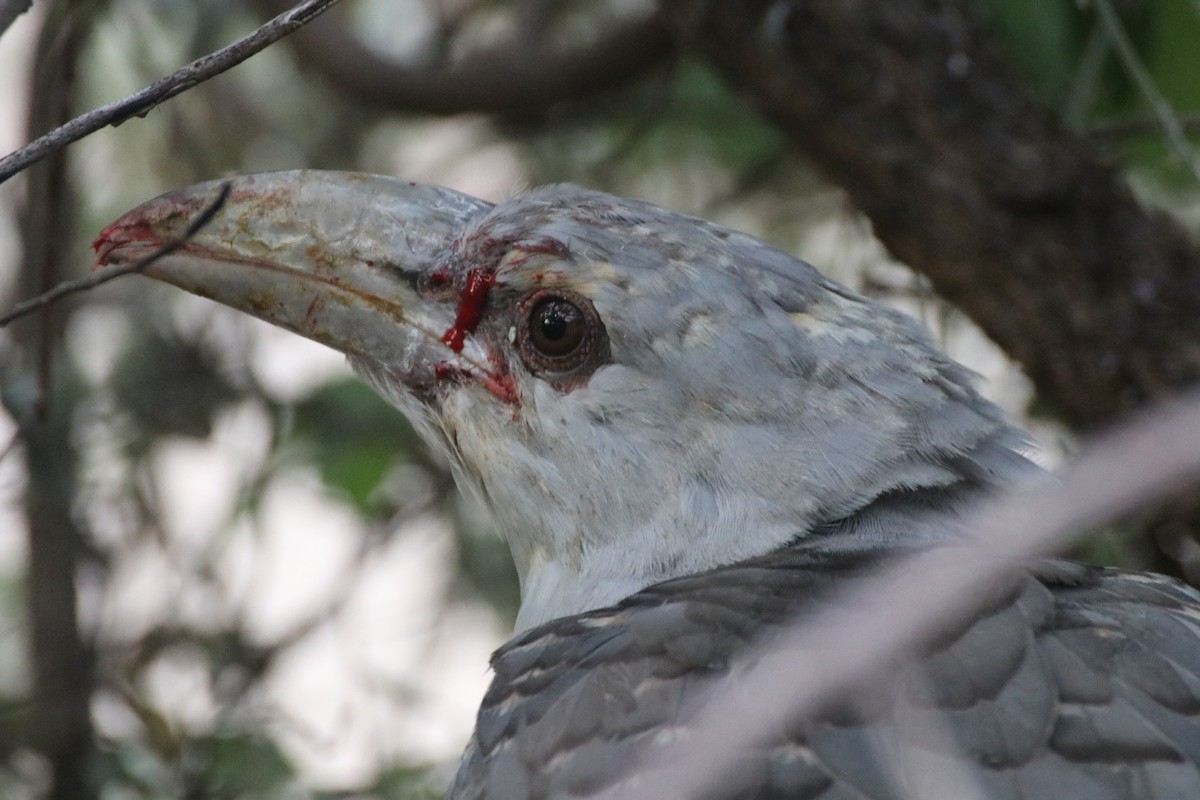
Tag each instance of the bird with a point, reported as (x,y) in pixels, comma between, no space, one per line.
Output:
(690,440)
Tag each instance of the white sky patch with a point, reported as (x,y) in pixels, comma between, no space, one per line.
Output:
(390,676)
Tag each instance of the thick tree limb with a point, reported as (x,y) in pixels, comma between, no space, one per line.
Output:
(523,78)
(142,102)
(909,106)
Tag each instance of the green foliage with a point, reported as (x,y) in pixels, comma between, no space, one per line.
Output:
(242,764)
(404,782)
(1171,49)
(355,438)
(705,115)
(1169,45)
(486,568)
(671,125)
(1073,60)
(1044,40)
(222,765)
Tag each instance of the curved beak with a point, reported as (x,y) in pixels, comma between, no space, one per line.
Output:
(338,257)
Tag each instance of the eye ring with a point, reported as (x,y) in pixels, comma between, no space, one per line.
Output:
(558,331)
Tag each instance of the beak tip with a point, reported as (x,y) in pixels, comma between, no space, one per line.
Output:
(109,240)
(149,224)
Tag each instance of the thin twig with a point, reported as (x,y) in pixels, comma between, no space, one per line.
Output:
(83,284)
(141,103)
(1167,118)
(834,652)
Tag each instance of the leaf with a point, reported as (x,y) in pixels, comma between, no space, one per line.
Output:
(1043,39)
(1171,50)
(356,438)
(407,782)
(243,764)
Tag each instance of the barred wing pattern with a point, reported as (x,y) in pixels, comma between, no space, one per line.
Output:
(1076,682)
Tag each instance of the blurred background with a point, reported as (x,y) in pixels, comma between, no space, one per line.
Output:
(227,570)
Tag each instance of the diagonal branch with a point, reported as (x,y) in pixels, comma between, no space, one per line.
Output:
(835,652)
(142,102)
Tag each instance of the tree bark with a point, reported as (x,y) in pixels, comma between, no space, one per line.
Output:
(61,661)
(913,110)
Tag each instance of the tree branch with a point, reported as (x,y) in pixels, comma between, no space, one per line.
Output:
(520,78)
(10,10)
(142,102)
(912,109)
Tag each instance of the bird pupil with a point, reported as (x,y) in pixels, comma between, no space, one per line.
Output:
(554,324)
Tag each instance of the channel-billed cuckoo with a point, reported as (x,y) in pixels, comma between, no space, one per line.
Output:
(689,439)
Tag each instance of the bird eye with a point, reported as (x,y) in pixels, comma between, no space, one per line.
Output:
(556,327)
(558,332)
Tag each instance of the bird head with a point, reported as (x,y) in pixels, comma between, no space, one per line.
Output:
(634,394)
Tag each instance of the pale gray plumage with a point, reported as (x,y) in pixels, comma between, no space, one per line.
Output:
(734,437)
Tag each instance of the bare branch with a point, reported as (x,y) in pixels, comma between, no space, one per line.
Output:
(832,653)
(503,80)
(10,10)
(142,102)
(71,287)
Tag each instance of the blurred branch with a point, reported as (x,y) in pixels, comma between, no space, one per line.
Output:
(836,651)
(10,10)
(61,660)
(92,281)
(142,102)
(519,78)
(533,21)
